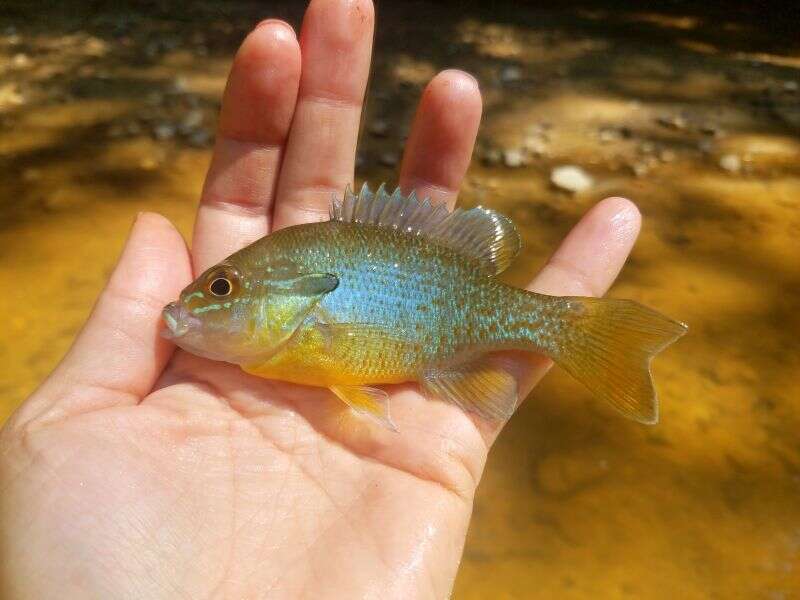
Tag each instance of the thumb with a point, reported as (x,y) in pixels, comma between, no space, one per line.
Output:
(118,354)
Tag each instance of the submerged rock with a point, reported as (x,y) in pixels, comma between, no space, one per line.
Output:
(571,178)
(164,131)
(731,163)
(200,138)
(676,122)
(379,128)
(492,156)
(191,121)
(513,158)
(389,159)
(510,73)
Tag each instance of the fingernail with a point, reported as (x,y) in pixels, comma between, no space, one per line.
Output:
(466,79)
(472,78)
(282,24)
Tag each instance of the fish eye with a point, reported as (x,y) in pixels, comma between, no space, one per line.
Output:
(221,286)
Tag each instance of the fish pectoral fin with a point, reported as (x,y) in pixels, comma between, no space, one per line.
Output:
(334,333)
(482,387)
(368,401)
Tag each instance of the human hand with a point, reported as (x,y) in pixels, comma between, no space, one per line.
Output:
(138,472)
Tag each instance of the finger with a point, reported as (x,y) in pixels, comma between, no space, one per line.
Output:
(336,43)
(257,110)
(442,137)
(586,264)
(119,353)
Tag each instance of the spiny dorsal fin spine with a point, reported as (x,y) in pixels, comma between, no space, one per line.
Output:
(478,233)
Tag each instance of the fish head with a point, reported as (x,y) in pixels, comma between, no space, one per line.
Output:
(244,309)
(213,315)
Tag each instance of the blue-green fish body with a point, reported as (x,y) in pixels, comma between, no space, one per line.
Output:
(392,289)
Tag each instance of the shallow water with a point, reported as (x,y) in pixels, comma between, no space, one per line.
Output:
(576,502)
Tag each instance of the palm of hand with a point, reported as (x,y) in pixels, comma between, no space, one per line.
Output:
(137,472)
(219,483)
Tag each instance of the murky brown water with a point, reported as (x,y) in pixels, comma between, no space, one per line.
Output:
(576,502)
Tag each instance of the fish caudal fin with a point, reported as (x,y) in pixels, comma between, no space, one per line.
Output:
(607,345)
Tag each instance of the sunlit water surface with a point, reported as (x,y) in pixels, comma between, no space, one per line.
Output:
(576,502)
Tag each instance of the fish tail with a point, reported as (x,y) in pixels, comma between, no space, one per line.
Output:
(607,344)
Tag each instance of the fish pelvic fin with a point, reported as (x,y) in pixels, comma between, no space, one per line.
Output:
(369,402)
(482,387)
(607,344)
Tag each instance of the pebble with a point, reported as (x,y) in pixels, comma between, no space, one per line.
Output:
(705,146)
(640,169)
(535,145)
(513,158)
(676,122)
(540,129)
(647,147)
(493,156)
(510,73)
(95,46)
(199,138)
(164,131)
(10,95)
(389,159)
(360,161)
(379,128)
(710,129)
(192,120)
(667,155)
(731,163)
(608,134)
(148,163)
(571,178)
(20,61)
(179,85)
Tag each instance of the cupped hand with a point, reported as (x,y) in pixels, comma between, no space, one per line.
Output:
(135,471)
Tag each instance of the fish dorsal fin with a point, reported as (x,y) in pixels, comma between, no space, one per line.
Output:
(479,233)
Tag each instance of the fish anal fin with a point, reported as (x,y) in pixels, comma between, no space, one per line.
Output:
(479,233)
(371,402)
(481,386)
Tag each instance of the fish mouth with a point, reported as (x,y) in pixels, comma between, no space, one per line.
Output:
(178,320)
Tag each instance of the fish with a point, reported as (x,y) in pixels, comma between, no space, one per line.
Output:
(394,289)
